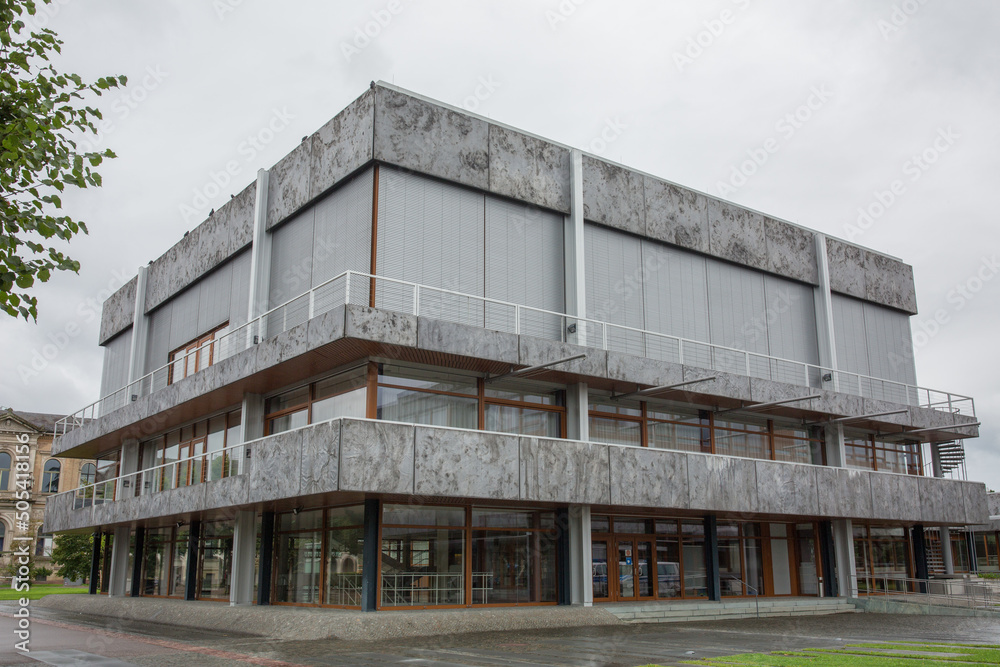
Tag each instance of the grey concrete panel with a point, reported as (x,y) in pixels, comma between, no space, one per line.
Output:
(787,488)
(432,139)
(612,196)
(239,212)
(175,269)
(844,492)
(107,514)
(214,239)
(57,512)
(529,169)
(847,268)
(724,384)
(118,311)
(564,471)
(464,464)
(642,477)
(275,466)
(890,283)
(228,491)
(631,368)
(928,417)
(837,403)
(977,505)
(182,500)
(231,369)
(676,215)
(288,184)
(533,351)
(736,234)
(381,326)
(895,497)
(722,483)
(342,145)
(376,457)
(466,341)
(325,328)
(940,503)
(321,458)
(766,391)
(873,406)
(284,346)
(791,251)
(993,503)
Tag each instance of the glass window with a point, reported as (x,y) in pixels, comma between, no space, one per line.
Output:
(616,431)
(428,379)
(50,476)
(423,566)
(523,421)
(215,560)
(416,515)
(178,563)
(88,473)
(345,556)
(513,566)
(4,470)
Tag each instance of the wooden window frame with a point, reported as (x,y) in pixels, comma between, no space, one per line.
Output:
(194,346)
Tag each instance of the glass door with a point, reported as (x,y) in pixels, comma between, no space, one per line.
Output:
(626,569)
(600,567)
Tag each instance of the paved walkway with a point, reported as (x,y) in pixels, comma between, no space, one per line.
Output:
(143,643)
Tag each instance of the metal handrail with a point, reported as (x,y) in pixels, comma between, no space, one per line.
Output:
(756,593)
(924,590)
(594,333)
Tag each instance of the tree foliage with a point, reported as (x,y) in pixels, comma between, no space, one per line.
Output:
(40,111)
(72,553)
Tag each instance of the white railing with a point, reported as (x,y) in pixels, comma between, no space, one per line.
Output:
(948,592)
(352,287)
(401,589)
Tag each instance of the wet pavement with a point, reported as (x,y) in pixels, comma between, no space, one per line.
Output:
(68,638)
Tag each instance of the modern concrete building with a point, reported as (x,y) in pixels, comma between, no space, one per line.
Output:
(29,475)
(430,360)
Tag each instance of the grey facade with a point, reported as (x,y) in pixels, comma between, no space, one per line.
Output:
(357,321)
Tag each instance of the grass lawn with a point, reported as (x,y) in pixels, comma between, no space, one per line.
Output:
(40,590)
(866,655)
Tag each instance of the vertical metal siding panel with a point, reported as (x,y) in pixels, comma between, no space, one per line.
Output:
(117,354)
(184,317)
(291,258)
(890,344)
(239,296)
(214,305)
(158,341)
(849,331)
(614,285)
(791,320)
(343,234)
(524,265)
(737,311)
(675,292)
(430,233)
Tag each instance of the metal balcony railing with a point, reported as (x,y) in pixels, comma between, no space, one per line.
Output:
(945,592)
(352,287)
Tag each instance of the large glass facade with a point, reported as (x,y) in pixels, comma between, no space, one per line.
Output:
(204,451)
(513,557)
(215,560)
(344,555)
(341,395)
(864,451)
(881,557)
(741,559)
(298,556)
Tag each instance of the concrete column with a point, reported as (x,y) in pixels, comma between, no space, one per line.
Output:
(580,556)
(833,445)
(970,538)
(140,538)
(828,553)
(244,553)
(129,459)
(140,334)
(843,543)
(946,555)
(260,253)
(251,425)
(118,576)
(575,270)
(370,556)
(95,563)
(577,412)
(712,581)
(824,314)
(266,559)
(191,574)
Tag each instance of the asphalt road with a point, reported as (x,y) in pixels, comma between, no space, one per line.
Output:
(61,638)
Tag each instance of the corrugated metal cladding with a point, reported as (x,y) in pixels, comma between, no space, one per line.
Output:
(117,353)
(322,241)
(221,296)
(873,340)
(649,285)
(448,237)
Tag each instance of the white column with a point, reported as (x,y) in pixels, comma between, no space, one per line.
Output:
(260,252)
(834,445)
(244,552)
(251,424)
(824,313)
(946,555)
(575,273)
(580,556)
(118,577)
(129,458)
(577,412)
(843,545)
(140,332)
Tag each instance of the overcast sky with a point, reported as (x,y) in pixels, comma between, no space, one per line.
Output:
(838,102)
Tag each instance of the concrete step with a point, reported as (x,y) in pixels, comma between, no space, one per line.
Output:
(667,612)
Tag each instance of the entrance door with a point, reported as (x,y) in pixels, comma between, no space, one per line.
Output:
(635,570)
